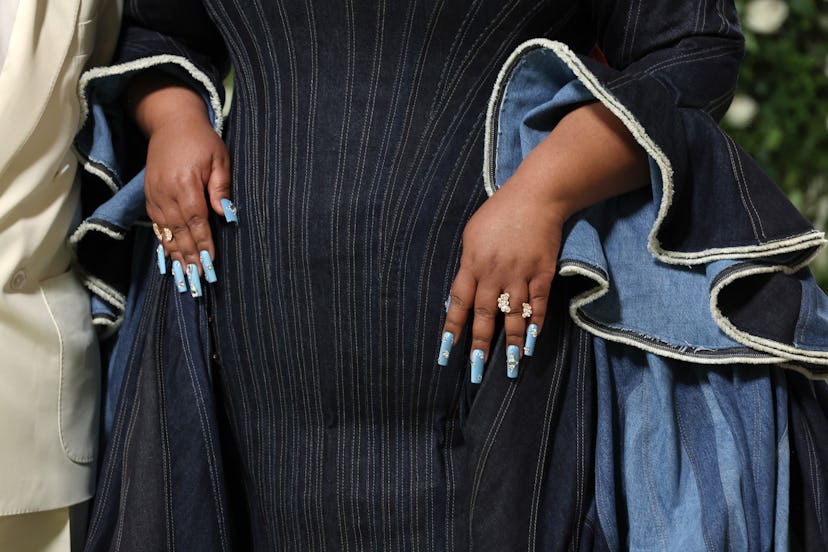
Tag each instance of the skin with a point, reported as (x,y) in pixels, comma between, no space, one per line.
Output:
(589,157)
(184,156)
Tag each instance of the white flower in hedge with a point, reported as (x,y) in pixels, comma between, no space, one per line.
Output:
(742,111)
(765,16)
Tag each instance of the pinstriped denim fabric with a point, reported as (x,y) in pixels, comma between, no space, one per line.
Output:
(163,468)
(356,200)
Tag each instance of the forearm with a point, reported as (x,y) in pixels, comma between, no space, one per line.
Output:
(588,157)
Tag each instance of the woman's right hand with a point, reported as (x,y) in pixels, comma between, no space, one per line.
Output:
(187,163)
(185,156)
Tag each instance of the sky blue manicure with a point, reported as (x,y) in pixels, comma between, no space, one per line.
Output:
(195,282)
(477,358)
(531,337)
(445,348)
(512,359)
(229,209)
(207,265)
(161,258)
(178,274)
(448,303)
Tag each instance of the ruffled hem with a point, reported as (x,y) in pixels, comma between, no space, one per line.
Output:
(116,195)
(708,265)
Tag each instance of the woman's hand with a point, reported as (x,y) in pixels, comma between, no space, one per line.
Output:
(510,247)
(511,244)
(185,157)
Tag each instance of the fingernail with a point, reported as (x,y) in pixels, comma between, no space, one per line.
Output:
(445,348)
(512,359)
(531,337)
(477,365)
(207,265)
(195,282)
(161,258)
(229,211)
(178,274)
(448,303)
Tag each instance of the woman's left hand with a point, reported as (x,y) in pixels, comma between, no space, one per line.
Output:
(511,244)
(510,247)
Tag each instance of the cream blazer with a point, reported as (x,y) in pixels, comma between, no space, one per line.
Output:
(49,364)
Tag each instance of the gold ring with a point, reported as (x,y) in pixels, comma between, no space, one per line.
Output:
(503,303)
(157,231)
(168,235)
(527,310)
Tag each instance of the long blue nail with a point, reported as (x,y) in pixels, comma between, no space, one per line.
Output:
(477,358)
(448,303)
(161,258)
(445,348)
(178,274)
(207,265)
(195,282)
(229,209)
(531,337)
(512,359)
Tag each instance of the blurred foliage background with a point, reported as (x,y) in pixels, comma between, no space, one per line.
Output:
(780,112)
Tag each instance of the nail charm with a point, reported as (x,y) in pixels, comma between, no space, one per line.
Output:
(161,258)
(531,337)
(512,359)
(178,274)
(477,359)
(207,265)
(445,349)
(195,283)
(230,214)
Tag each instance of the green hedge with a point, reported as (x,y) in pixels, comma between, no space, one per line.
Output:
(780,114)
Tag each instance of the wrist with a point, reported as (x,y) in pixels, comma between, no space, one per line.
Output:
(546,190)
(156,100)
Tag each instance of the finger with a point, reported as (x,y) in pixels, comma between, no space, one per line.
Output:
(160,252)
(218,186)
(515,325)
(193,207)
(485,310)
(169,247)
(185,256)
(539,288)
(459,303)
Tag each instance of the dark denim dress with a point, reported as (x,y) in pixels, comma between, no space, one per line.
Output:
(299,406)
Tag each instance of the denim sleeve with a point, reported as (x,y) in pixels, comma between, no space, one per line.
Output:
(690,48)
(181,29)
(708,264)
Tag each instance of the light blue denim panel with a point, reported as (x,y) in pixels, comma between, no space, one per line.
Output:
(646,297)
(703,453)
(811,330)
(582,245)
(540,92)
(123,209)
